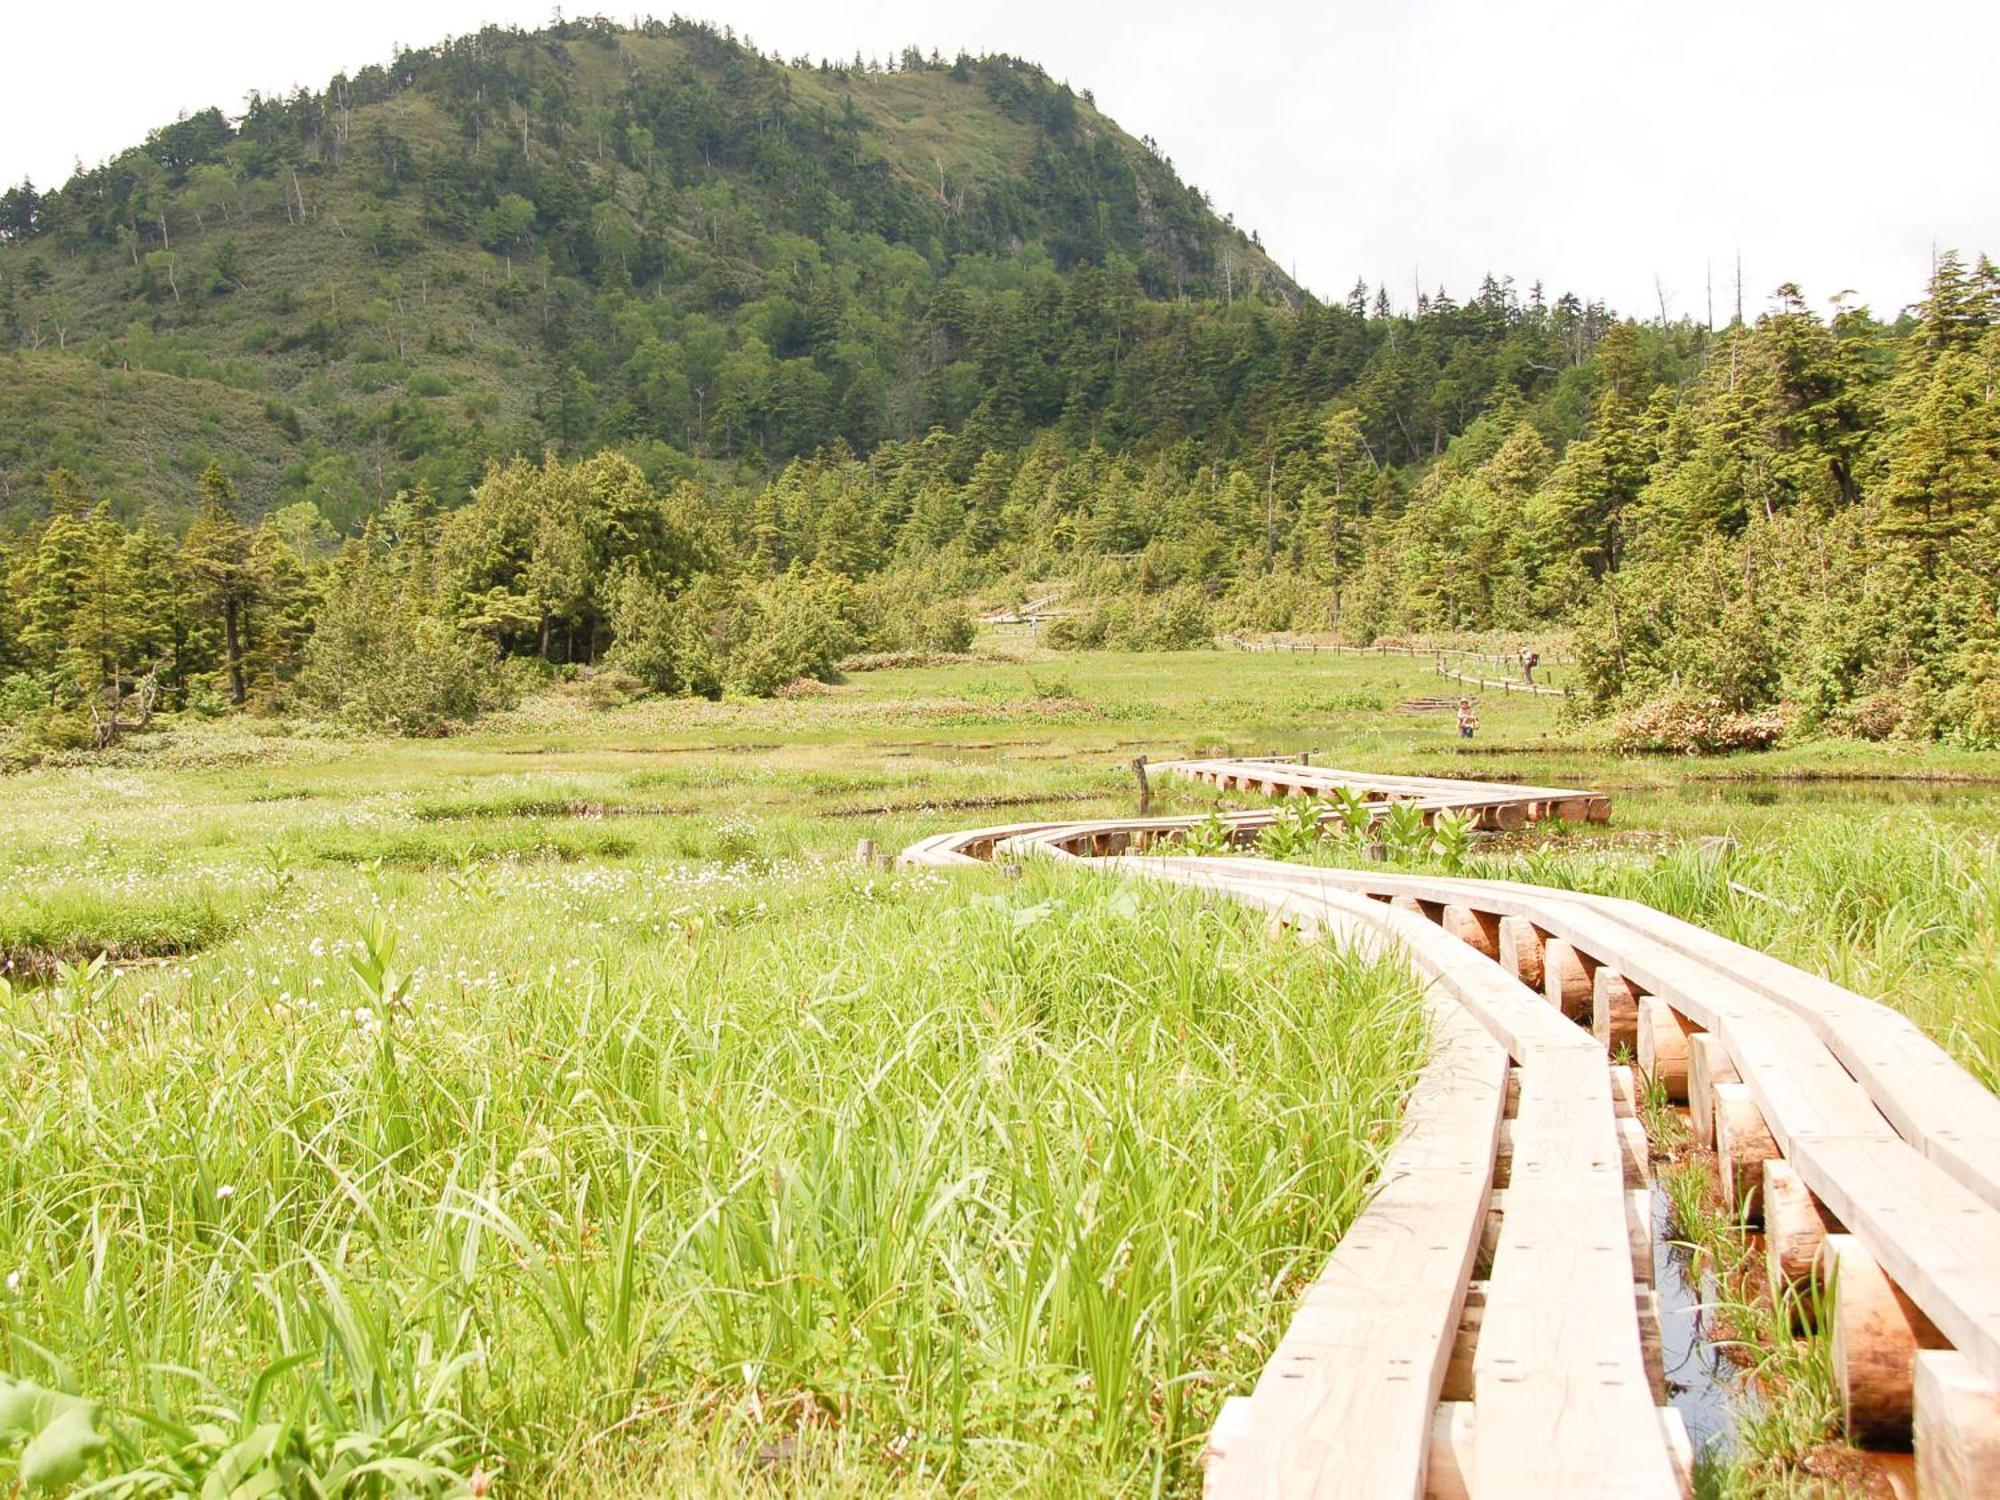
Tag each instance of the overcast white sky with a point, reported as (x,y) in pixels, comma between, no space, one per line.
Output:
(1595,144)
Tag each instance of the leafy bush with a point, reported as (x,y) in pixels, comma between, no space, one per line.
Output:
(1294,831)
(21,695)
(797,625)
(666,642)
(405,674)
(944,628)
(1174,620)
(1692,724)
(382,661)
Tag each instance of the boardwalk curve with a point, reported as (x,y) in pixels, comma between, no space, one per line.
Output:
(1486,1327)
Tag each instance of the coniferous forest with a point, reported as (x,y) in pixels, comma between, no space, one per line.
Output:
(644,350)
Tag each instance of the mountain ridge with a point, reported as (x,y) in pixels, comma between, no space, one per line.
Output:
(451,258)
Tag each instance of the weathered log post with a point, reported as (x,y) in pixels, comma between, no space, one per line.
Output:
(1521,950)
(1742,1145)
(1957,1426)
(1614,1010)
(1708,1066)
(1481,929)
(1566,978)
(1795,1227)
(1663,1047)
(1877,1332)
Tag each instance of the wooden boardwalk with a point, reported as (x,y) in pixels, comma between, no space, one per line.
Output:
(1486,1328)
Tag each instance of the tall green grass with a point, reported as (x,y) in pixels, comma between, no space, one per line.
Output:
(74,922)
(876,1183)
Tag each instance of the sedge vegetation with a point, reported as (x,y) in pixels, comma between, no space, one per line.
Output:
(559,1107)
(590,1176)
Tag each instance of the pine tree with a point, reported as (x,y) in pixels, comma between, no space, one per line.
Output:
(216,557)
(1939,459)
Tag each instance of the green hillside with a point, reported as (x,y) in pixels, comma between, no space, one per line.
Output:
(654,238)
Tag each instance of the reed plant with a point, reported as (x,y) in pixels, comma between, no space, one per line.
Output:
(827,1179)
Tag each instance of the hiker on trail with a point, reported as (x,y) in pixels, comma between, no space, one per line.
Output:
(1528,662)
(1467,719)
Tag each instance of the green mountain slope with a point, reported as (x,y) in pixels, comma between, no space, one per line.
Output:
(653,237)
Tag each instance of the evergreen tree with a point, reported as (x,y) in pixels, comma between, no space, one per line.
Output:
(216,557)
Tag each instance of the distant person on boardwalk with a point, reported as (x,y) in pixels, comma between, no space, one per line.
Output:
(1529,660)
(1467,719)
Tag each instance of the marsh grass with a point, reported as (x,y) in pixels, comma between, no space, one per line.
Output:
(694,1158)
(431,847)
(1785,1407)
(74,923)
(899,1183)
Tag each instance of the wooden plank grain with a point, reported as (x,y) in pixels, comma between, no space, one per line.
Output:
(1344,1407)
(1561,1390)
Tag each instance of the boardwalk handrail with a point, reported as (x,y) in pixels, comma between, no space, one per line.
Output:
(1844,1108)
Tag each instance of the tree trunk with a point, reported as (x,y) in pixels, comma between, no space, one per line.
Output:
(232,640)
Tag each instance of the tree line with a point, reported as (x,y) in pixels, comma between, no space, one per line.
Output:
(1805,512)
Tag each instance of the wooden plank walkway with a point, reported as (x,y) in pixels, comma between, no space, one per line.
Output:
(1894,1142)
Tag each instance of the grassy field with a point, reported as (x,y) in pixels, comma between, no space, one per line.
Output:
(563,1102)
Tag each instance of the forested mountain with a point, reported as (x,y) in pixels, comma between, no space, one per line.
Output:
(634,348)
(651,237)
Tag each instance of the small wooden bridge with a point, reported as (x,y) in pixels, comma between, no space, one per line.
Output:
(1487,1326)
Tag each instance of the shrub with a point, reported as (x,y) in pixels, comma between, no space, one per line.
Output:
(611,688)
(1968,712)
(1175,620)
(945,628)
(381,664)
(20,696)
(794,626)
(665,642)
(1695,724)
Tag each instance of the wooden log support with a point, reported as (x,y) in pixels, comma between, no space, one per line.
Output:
(1481,929)
(1624,1093)
(1742,1145)
(1708,1065)
(1614,1011)
(1795,1227)
(1521,950)
(1448,1474)
(1663,1047)
(1638,1156)
(1501,817)
(1566,978)
(1877,1332)
(1957,1425)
